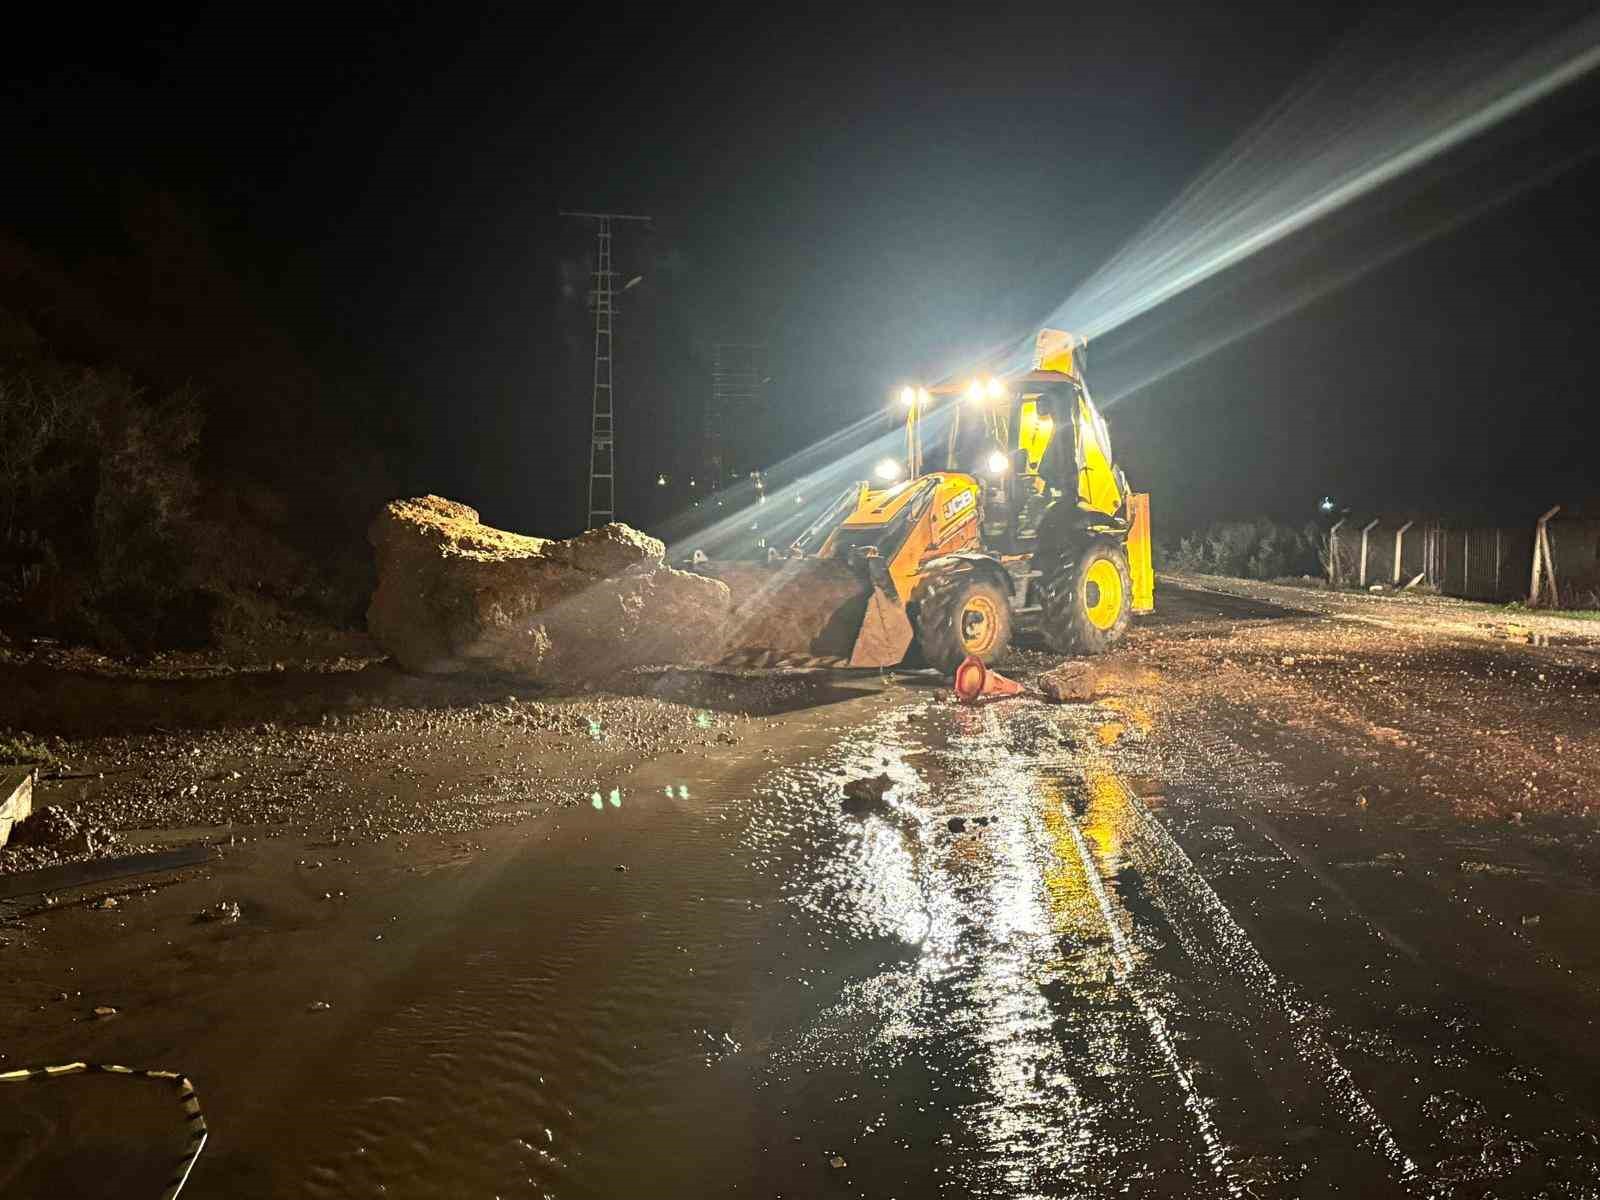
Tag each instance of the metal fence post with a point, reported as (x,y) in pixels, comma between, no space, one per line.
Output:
(1365,530)
(1543,558)
(1466,563)
(1399,543)
(1333,553)
(1497,562)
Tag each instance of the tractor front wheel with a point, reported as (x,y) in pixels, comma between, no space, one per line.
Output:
(1088,601)
(965,615)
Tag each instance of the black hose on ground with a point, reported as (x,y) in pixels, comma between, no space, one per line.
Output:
(186,1097)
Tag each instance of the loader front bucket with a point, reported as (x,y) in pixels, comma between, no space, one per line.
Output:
(885,632)
(807,613)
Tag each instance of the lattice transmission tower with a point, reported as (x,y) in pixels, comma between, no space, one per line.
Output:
(602,422)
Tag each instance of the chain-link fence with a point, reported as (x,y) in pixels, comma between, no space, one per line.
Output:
(1476,562)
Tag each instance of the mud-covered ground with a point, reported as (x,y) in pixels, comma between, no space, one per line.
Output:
(1301,903)
(348,749)
(1480,712)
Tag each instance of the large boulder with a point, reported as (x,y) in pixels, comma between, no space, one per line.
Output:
(455,595)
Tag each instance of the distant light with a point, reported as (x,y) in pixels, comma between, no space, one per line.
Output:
(975,391)
(661,481)
(908,396)
(1327,504)
(999,464)
(922,396)
(799,499)
(997,390)
(691,481)
(888,470)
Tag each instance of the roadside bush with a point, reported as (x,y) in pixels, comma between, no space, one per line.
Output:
(44,412)
(97,493)
(22,749)
(214,488)
(144,487)
(1260,549)
(1189,555)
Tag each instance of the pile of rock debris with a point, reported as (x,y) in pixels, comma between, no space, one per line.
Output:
(457,595)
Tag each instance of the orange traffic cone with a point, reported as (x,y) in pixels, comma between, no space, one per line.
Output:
(975,681)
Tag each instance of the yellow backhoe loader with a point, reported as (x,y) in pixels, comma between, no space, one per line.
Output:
(1027,522)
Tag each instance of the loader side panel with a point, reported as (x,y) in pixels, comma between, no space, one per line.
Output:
(1097,478)
(1140,569)
(949,522)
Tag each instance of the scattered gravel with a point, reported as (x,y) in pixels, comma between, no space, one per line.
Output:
(365,776)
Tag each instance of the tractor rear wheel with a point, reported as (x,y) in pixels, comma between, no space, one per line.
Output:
(965,615)
(1088,600)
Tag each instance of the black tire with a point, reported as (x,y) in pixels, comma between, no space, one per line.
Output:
(1081,613)
(960,616)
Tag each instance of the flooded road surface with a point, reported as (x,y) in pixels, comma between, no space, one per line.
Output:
(1080,951)
(1015,980)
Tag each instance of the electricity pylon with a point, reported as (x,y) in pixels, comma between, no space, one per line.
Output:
(602,424)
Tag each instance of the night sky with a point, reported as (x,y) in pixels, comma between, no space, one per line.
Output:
(872,192)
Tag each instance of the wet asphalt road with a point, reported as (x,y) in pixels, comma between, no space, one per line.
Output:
(1089,951)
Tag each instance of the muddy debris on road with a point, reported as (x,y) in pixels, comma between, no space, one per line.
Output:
(867,795)
(222,912)
(351,778)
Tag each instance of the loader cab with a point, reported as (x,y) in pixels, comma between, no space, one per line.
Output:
(1006,436)
(1022,493)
